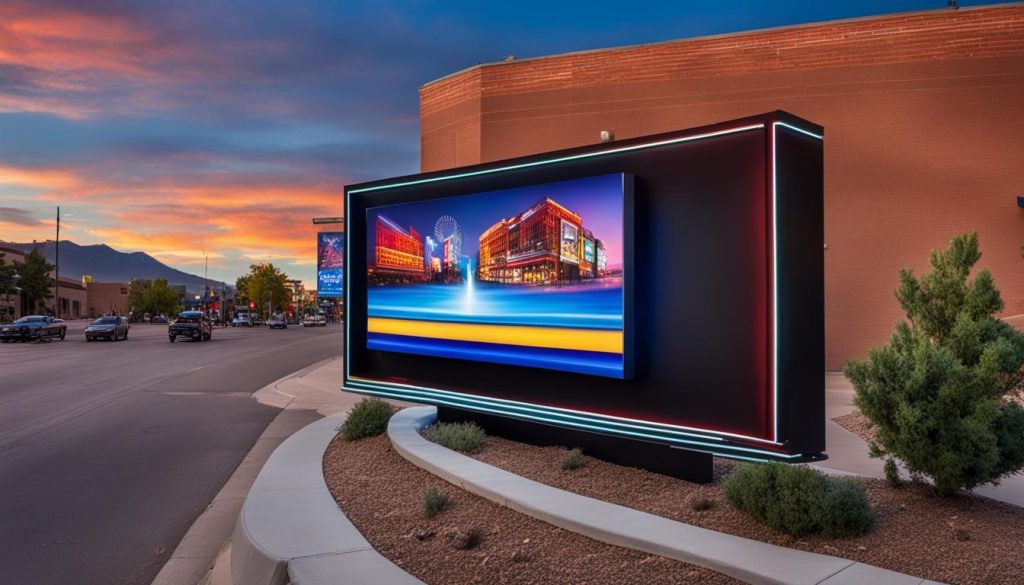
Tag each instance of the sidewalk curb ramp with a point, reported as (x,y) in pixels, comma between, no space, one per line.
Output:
(290,529)
(742,558)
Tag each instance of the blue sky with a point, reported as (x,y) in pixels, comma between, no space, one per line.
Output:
(173,126)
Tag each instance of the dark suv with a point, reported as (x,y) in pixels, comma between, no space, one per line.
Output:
(192,324)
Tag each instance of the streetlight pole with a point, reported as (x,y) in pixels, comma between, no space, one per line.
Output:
(56,260)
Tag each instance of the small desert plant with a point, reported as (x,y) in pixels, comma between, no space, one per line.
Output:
(469,539)
(702,504)
(799,500)
(433,502)
(467,437)
(368,418)
(573,459)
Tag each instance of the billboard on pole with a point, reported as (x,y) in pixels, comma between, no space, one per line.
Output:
(330,264)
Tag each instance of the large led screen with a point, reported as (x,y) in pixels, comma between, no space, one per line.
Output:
(330,264)
(531,276)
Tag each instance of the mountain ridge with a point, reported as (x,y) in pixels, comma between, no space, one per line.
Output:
(105,264)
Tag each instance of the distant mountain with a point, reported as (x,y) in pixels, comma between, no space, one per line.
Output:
(106,264)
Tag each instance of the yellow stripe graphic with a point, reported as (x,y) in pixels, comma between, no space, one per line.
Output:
(549,337)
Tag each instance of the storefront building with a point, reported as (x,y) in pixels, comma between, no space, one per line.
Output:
(924,133)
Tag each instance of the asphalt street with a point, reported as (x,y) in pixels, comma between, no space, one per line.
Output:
(110,450)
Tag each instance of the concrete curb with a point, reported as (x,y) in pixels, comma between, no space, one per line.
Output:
(290,529)
(748,560)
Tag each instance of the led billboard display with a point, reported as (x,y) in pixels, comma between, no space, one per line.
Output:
(516,294)
(720,313)
(330,264)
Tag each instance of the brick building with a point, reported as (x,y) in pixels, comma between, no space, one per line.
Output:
(923,115)
(107,298)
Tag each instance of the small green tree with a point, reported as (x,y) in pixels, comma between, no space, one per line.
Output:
(34,278)
(160,299)
(7,286)
(941,391)
(137,297)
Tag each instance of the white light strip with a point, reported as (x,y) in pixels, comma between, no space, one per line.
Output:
(775,281)
(800,130)
(561,159)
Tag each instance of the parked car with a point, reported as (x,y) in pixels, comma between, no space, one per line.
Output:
(192,324)
(277,322)
(314,321)
(110,328)
(32,327)
(158,319)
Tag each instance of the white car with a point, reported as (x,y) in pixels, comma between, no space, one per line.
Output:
(314,321)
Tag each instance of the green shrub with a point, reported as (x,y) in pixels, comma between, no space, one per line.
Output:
(467,437)
(846,511)
(798,500)
(573,459)
(938,392)
(433,502)
(368,418)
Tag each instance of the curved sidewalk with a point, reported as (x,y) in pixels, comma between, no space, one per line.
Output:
(748,560)
(290,529)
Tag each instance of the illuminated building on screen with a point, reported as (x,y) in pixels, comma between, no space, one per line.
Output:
(545,244)
(398,251)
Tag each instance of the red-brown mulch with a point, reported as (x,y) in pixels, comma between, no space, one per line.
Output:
(967,539)
(380,493)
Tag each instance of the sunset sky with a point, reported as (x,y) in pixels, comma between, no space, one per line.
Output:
(173,126)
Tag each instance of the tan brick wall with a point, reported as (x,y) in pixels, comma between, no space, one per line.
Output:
(923,115)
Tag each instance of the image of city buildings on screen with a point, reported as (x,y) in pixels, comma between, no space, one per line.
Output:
(529,276)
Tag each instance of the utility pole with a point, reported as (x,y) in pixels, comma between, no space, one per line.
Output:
(206,281)
(56,261)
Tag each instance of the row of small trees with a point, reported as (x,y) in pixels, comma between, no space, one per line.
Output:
(266,286)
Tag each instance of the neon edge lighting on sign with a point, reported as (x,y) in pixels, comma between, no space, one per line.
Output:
(698,439)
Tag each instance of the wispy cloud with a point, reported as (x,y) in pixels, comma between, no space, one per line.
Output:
(16,216)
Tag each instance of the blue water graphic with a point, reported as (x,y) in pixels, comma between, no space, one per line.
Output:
(596,305)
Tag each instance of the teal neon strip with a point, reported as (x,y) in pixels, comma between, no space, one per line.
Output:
(559,160)
(528,407)
(590,425)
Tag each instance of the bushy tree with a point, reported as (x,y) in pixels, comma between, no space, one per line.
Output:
(137,296)
(34,278)
(265,285)
(7,286)
(941,393)
(160,299)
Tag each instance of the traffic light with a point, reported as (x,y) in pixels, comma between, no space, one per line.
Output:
(252,305)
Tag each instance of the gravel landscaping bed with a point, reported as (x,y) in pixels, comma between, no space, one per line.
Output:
(380,493)
(858,424)
(968,539)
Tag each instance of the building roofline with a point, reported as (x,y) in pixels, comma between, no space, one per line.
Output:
(784,27)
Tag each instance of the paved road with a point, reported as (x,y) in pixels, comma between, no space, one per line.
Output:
(109,451)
